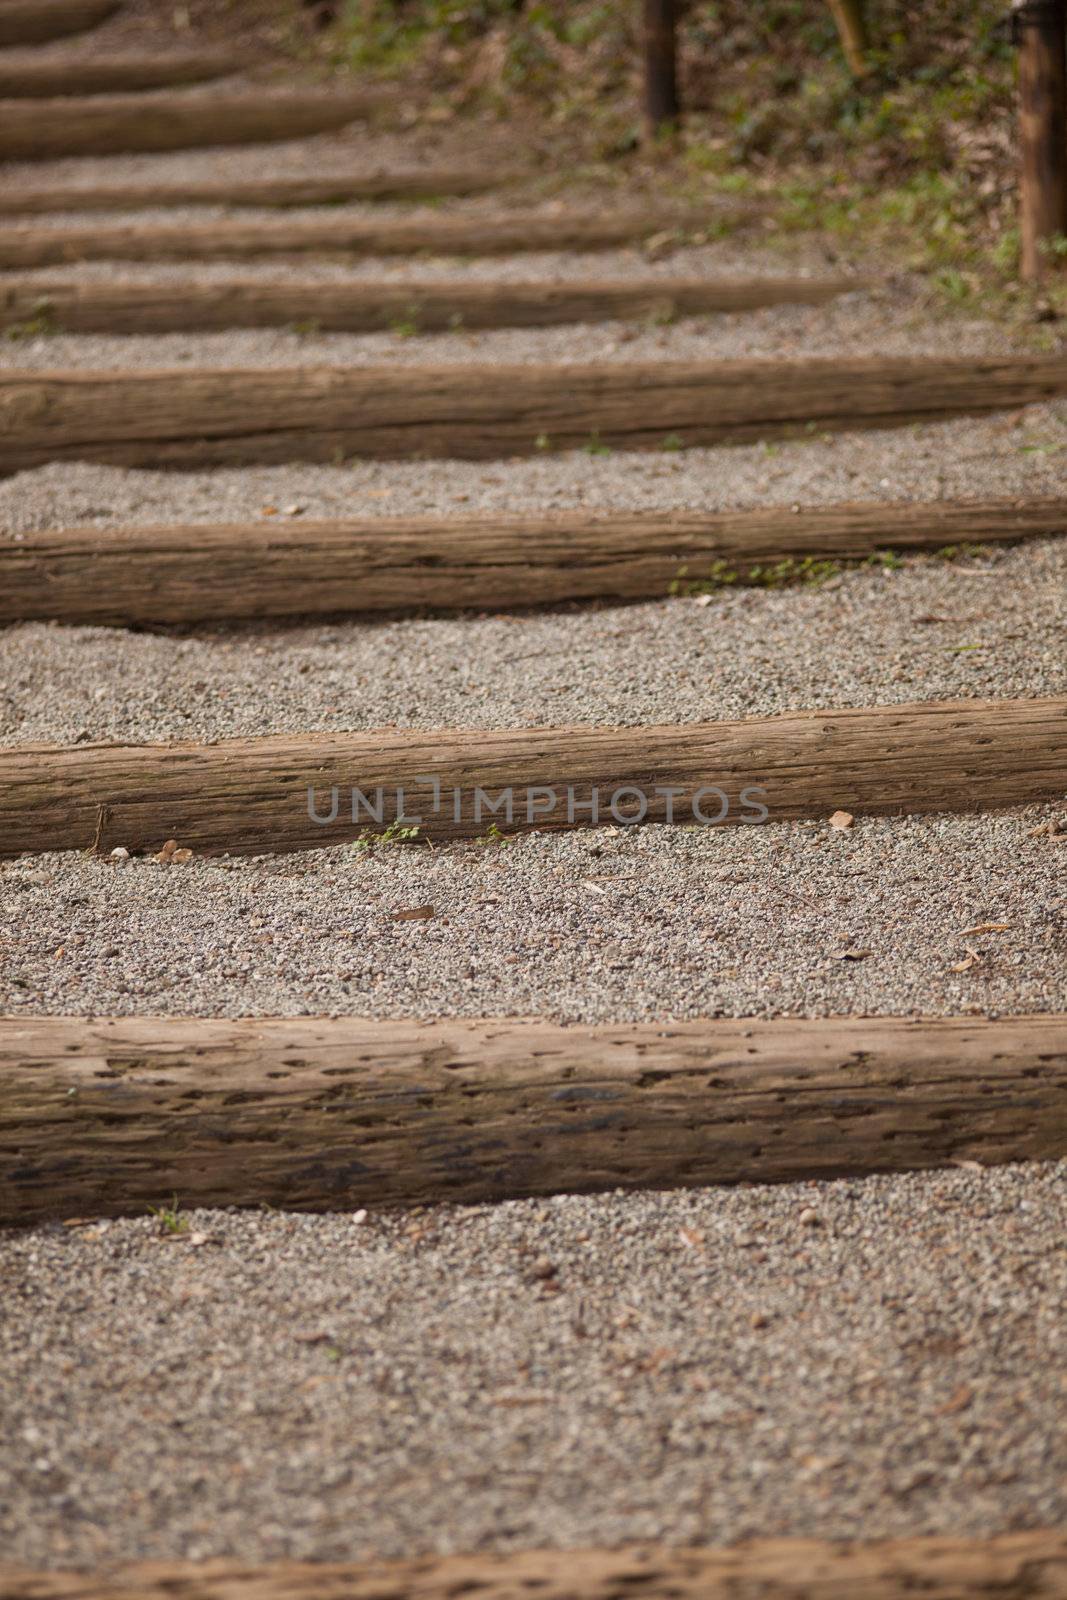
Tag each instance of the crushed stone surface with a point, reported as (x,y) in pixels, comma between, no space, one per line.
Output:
(1020,453)
(603,925)
(977,627)
(845,1360)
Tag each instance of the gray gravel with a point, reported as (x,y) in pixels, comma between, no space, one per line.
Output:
(847,1360)
(599,926)
(1019,453)
(857,324)
(990,626)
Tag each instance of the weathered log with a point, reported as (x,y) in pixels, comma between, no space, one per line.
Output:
(34,21)
(1011,1566)
(291,792)
(105,1116)
(423,306)
(266,192)
(30,79)
(203,417)
(504,234)
(40,130)
(259,569)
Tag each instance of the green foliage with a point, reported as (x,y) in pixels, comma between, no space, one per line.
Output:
(493,835)
(395,833)
(41,325)
(788,572)
(914,163)
(168,1218)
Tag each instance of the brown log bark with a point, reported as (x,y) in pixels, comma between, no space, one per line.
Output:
(1042,33)
(217,416)
(29,79)
(340,236)
(106,1116)
(40,130)
(660,44)
(298,191)
(423,307)
(291,792)
(1012,1566)
(35,21)
(197,574)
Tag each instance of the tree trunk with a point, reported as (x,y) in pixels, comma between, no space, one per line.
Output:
(661,64)
(1041,28)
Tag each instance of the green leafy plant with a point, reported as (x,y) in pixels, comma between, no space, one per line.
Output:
(168,1218)
(395,833)
(493,835)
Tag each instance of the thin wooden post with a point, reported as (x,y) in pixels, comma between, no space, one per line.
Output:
(661,65)
(852,28)
(1041,33)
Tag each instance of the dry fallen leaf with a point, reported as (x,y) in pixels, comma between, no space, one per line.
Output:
(268,511)
(414,914)
(956,1402)
(842,819)
(969,961)
(986,927)
(692,1238)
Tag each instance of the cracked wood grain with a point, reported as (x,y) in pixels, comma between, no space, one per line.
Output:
(104,1116)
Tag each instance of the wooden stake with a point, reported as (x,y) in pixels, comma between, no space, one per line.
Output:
(1041,30)
(852,28)
(661,65)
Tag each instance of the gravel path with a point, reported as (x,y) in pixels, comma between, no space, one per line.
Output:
(842,1360)
(979,627)
(853,1360)
(599,926)
(858,324)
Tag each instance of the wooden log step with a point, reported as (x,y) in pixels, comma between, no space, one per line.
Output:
(416,307)
(1012,1566)
(423,184)
(41,130)
(101,1117)
(35,21)
(259,569)
(40,80)
(504,234)
(293,792)
(218,416)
